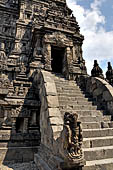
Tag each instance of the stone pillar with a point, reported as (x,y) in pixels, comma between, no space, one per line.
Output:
(22,11)
(38,52)
(34,117)
(48,57)
(69,57)
(25,127)
(65,65)
(77,50)
(74,55)
(69,60)
(3,58)
(80,49)
(14,126)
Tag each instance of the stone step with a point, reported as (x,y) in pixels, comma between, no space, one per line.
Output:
(67,91)
(97,142)
(58,76)
(70,102)
(61,80)
(67,87)
(70,93)
(77,107)
(102,164)
(98,153)
(73,96)
(89,133)
(91,125)
(90,118)
(21,78)
(94,118)
(65,95)
(82,112)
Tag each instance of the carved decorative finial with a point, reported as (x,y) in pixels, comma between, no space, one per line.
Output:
(97,71)
(109,74)
(73,137)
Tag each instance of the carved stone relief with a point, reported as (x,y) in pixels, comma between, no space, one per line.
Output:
(58,39)
(20,112)
(72,137)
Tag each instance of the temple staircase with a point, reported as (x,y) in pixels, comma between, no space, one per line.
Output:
(96,125)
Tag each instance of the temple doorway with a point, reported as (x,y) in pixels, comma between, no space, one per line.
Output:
(57,56)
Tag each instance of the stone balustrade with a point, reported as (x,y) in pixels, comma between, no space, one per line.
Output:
(100,89)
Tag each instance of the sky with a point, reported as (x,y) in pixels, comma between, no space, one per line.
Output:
(95,18)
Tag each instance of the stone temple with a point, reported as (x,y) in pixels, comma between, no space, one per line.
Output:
(52,113)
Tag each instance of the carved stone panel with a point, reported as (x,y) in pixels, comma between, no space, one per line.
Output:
(20,112)
(58,39)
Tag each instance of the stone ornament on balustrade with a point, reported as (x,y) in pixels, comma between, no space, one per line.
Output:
(73,140)
(109,74)
(97,71)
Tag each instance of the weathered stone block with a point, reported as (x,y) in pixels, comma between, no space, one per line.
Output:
(56,121)
(57,128)
(107,96)
(52,101)
(97,92)
(50,89)
(93,87)
(48,79)
(54,112)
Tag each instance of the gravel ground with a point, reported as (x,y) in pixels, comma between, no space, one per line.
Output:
(19,166)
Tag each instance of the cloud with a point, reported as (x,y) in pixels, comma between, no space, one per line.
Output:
(98,43)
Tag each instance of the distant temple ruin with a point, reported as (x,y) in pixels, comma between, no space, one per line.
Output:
(51,111)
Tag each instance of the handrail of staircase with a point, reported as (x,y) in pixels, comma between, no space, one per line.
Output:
(100,90)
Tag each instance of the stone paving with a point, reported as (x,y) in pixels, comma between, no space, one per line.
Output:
(19,166)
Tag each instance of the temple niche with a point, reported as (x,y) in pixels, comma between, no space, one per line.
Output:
(34,35)
(60,50)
